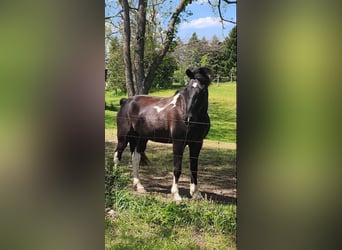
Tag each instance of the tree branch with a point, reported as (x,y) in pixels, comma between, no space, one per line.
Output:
(230,2)
(113,16)
(220,13)
(166,44)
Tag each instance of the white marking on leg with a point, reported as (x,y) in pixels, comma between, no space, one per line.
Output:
(194,192)
(192,189)
(116,159)
(135,164)
(174,191)
(173,103)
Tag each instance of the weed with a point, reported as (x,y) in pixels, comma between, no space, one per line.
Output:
(115,183)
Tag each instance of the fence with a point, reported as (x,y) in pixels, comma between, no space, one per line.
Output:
(216,169)
(221,79)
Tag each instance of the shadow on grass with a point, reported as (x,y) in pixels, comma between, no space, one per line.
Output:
(132,242)
(216,176)
(111,107)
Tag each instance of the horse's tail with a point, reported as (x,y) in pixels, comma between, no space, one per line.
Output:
(144,161)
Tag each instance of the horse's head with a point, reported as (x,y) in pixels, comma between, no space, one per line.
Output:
(196,92)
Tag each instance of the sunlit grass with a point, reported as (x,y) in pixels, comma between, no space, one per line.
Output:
(222,110)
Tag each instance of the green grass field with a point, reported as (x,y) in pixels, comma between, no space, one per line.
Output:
(149,222)
(153,221)
(222,110)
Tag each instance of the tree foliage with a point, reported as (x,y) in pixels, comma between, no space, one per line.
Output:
(230,52)
(144,52)
(221,57)
(164,75)
(138,16)
(115,66)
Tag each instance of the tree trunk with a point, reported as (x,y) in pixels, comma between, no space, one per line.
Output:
(140,48)
(143,83)
(127,48)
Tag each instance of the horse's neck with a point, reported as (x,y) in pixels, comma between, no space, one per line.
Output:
(181,99)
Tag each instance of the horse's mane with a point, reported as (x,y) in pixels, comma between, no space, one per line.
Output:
(179,90)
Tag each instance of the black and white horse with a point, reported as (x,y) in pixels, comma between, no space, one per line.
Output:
(181,119)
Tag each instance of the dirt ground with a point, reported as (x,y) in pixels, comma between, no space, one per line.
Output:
(216,176)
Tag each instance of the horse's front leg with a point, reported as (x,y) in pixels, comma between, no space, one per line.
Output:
(178,149)
(194,149)
(136,156)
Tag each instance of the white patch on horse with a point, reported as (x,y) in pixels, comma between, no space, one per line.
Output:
(135,164)
(192,189)
(194,84)
(173,103)
(174,190)
(159,108)
(194,192)
(116,159)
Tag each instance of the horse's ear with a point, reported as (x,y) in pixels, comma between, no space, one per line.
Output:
(190,74)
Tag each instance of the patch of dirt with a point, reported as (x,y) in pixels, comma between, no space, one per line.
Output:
(218,186)
(216,172)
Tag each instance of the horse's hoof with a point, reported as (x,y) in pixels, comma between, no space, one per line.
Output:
(197,196)
(141,190)
(177,198)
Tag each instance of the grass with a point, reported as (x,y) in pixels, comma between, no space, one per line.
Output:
(222,110)
(149,222)
(154,221)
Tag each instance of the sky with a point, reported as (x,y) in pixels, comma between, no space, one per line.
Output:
(205,22)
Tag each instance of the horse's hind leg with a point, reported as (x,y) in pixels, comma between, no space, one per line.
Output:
(136,157)
(122,144)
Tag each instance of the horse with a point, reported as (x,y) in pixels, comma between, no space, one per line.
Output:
(181,119)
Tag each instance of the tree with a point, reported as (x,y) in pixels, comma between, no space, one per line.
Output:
(126,47)
(215,56)
(192,54)
(164,74)
(140,80)
(115,66)
(230,52)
